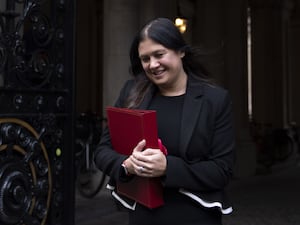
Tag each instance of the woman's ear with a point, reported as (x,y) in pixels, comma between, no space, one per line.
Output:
(181,54)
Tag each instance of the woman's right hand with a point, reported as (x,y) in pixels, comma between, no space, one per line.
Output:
(132,167)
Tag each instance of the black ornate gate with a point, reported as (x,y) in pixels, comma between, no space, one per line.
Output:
(36,112)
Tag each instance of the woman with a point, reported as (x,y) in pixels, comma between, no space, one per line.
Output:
(194,123)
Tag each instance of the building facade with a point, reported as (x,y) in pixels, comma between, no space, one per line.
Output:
(255,56)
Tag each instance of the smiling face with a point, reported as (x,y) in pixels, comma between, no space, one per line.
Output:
(163,67)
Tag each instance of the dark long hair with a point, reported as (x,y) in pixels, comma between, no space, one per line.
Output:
(162,31)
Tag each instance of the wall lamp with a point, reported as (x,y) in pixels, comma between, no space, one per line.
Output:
(181,24)
(180,20)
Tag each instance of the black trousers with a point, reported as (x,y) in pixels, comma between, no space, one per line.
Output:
(177,210)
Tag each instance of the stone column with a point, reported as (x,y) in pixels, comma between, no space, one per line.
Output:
(294,67)
(208,32)
(221,27)
(150,9)
(121,22)
(122,19)
(236,79)
(270,22)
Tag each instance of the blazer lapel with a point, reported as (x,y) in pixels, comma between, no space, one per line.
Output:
(190,112)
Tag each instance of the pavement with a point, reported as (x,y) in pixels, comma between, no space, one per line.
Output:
(271,198)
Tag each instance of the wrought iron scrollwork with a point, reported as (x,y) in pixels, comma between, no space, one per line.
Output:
(26,182)
(27,46)
(36,110)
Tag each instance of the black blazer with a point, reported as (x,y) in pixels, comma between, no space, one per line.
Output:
(206,145)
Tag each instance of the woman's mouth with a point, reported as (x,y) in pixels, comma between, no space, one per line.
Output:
(157,73)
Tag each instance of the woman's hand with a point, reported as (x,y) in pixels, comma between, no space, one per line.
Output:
(146,162)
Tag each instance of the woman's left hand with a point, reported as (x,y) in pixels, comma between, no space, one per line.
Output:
(149,162)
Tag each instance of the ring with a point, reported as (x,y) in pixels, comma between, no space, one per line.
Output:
(141,169)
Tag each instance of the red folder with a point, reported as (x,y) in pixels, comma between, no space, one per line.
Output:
(127,127)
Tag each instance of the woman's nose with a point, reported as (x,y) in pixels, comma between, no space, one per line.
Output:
(153,63)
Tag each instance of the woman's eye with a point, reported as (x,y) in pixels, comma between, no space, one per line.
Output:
(159,55)
(144,60)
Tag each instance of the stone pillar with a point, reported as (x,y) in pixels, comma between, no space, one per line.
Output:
(294,67)
(270,22)
(236,80)
(208,32)
(121,22)
(150,9)
(221,27)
